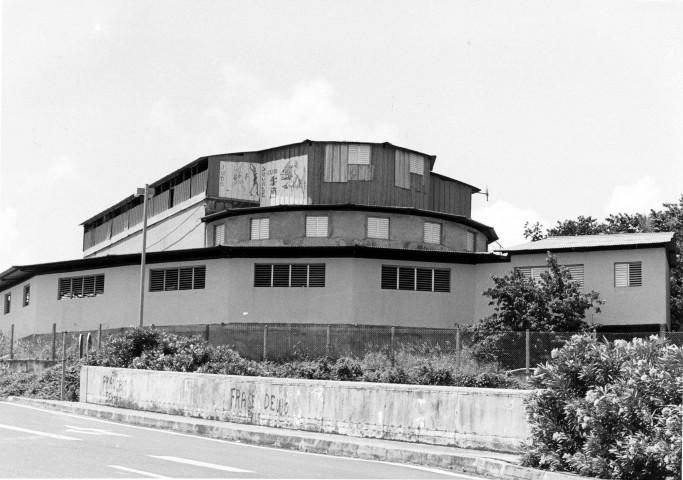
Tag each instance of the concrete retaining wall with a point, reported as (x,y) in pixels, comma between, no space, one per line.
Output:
(27,366)
(480,418)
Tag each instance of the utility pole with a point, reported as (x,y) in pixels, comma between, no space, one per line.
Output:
(145,194)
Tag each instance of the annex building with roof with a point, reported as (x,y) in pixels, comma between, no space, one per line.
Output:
(316,232)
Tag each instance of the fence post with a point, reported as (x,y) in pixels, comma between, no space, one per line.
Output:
(662,331)
(11,342)
(457,346)
(393,351)
(61,395)
(54,341)
(206,333)
(528,352)
(327,342)
(265,342)
(99,337)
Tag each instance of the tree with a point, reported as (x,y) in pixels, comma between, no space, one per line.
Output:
(668,219)
(555,303)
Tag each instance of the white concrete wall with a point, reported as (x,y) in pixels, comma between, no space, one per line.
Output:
(647,304)
(479,418)
(352,294)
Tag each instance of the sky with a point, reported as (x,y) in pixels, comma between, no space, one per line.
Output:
(559,109)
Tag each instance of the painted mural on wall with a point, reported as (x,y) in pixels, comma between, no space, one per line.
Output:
(278,182)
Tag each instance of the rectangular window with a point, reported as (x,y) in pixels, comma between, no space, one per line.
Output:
(289,275)
(378,227)
(260,228)
(218,234)
(416,279)
(359,154)
(183,278)
(576,271)
(432,232)
(316,226)
(471,241)
(402,169)
(27,295)
(416,164)
(8,303)
(345,162)
(628,274)
(80,287)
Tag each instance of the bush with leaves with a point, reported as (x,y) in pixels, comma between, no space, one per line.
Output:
(554,303)
(610,410)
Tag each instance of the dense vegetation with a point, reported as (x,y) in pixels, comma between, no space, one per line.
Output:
(156,350)
(610,410)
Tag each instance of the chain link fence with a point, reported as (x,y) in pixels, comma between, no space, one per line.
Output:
(287,341)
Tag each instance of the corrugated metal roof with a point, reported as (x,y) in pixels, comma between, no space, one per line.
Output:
(604,241)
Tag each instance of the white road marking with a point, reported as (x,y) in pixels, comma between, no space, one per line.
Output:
(93,431)
(232,442)
(36,432)
(201,464)
(139,472)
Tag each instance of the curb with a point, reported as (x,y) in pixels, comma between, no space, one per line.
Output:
(475,462)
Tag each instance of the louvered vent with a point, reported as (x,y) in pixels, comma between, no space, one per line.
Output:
(316,275)
(389,277)
(416,164)
(183,278)
(628,274)
(442,280)
(316,226)
(425,279)
(378,227)
(416,279)
(263,275)
(80,287)
(289,275)
(432,232)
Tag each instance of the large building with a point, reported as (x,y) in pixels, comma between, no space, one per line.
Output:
(315,232)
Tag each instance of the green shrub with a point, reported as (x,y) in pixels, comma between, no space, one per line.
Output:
(608,410)
(45,385)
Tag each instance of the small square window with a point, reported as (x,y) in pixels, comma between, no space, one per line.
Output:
(260,228)
(628,274)
(378,227)
(316,226)
(432,232)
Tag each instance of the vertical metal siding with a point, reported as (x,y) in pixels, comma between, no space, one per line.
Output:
(182,192)
(450,197)
(199,183)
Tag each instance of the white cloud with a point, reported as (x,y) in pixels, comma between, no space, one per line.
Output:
(508,221)
(254,114)
(639,197)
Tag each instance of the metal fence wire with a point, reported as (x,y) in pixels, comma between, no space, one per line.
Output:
(288,341)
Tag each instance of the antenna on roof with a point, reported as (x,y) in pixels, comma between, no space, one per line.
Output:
(486,193)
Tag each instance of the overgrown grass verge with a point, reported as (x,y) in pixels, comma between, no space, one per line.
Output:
(153,349)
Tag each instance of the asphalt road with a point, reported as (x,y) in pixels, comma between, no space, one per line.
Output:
(36,443)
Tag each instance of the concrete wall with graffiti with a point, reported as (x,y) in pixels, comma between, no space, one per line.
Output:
(277,182)
(463,417)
